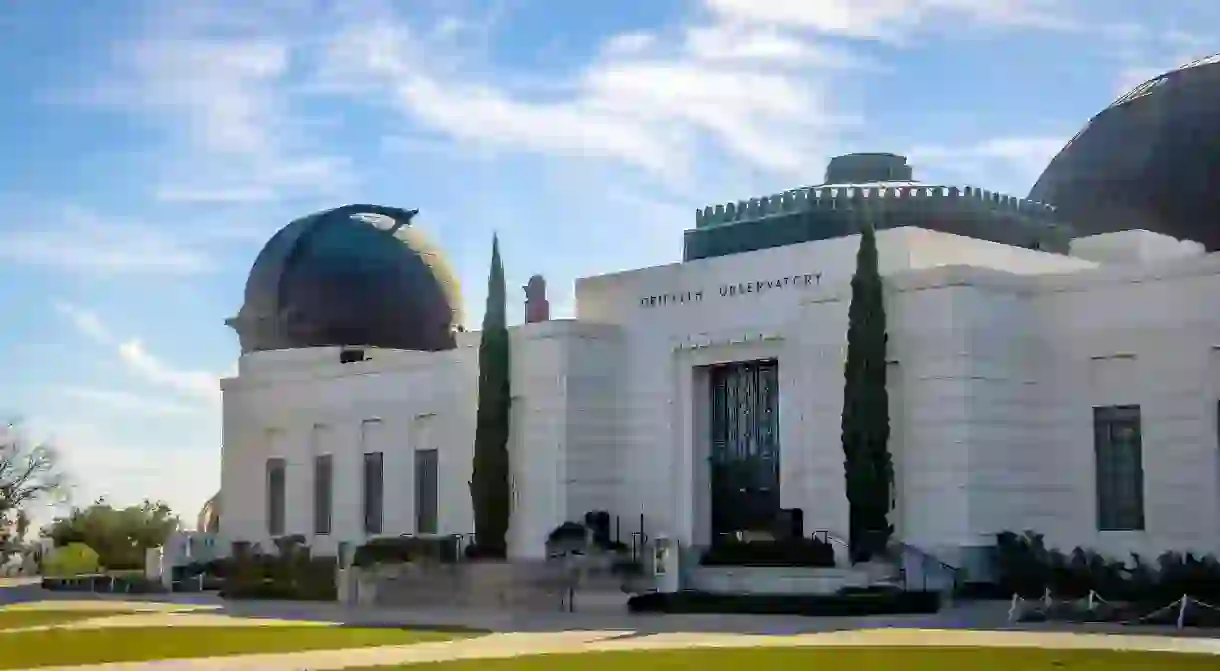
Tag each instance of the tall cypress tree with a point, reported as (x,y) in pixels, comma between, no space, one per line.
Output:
(866,423)
(489,488)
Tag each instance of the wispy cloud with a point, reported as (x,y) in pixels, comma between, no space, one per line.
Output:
(644,102)
(894,19)
(201,386)
(1006,163)
(227,97)
(79,241)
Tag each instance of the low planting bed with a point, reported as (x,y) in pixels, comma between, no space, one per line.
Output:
(846,603)
(1082,585)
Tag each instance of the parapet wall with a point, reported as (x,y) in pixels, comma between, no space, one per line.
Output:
(842,197)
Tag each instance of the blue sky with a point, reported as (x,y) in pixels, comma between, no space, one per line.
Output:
(150,148)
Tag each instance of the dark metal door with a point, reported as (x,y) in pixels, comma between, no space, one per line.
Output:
(744,446)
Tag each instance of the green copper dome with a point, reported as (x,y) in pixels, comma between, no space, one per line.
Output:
(357,275)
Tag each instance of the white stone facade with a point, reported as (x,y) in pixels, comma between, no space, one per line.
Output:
(998,355)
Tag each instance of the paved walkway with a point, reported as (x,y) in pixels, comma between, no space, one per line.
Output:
(511,645)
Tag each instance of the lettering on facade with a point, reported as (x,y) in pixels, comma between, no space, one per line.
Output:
(733,289)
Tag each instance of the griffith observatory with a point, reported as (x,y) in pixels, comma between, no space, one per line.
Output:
(1053,363)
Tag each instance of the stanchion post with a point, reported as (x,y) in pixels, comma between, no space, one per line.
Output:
(1182,611)
(1091,595)
(1012,609)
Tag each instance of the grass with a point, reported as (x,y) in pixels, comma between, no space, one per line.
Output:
(29,617)
(64,647)
(835,659)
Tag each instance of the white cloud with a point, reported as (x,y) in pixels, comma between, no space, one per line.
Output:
(642,103)
(629,44)
(891,19)
(198,384)
(227,96)
(201,386)
(1008,164)
(86,322)
(80,241)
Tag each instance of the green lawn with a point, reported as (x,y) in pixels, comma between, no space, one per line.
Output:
(29,617)
(834,659)
(56,647)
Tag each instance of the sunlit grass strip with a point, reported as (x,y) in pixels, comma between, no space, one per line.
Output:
(64,647)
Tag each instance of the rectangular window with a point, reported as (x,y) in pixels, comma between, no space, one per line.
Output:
(275,497)
(323,475)
(1118,451)
(373,491)
(425,491)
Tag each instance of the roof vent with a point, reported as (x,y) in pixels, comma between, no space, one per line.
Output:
(872,167)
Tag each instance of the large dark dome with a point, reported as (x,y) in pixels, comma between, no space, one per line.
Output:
(354,275)
(1151,160)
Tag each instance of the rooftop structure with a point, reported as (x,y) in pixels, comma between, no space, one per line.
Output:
(879,187)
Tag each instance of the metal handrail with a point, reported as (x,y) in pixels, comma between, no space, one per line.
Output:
(924,556)
(825,536)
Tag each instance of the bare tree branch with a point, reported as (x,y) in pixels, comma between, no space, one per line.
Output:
(28,472)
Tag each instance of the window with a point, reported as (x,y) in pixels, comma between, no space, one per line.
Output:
(425,491)
(323,472)
(1120,470)
(373,491)
(275,497)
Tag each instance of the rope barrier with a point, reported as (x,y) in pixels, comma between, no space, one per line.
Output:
(1205,605)
(1017,610)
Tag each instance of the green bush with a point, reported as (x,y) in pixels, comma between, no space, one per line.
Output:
(809,552)
(403,549)
(1028,568)
(72,559)
(293,574)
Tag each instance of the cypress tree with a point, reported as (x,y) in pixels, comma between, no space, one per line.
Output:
(866,422)
(489,488)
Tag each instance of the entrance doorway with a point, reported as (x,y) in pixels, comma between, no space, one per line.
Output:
(744,447)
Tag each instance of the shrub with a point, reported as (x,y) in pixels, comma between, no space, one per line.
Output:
(72,559)
(403,549)
(810,552)
(598,523)
(1027,568)
(291,574)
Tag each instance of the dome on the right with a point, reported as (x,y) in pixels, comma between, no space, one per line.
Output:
(1151,160)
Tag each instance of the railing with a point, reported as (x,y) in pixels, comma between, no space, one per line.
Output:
(926,559)
(826,537)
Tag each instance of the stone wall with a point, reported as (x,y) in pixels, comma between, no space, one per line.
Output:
(533,585)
